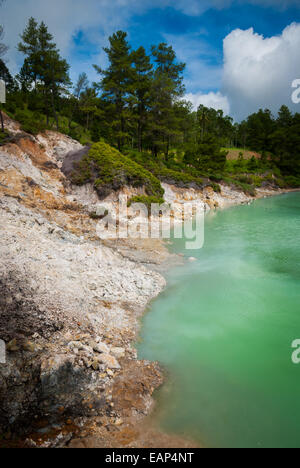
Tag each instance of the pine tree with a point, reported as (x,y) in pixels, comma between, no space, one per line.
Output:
(80,87)
(31,49)
(116,83)
(43,68)
(141,84)
(167,87)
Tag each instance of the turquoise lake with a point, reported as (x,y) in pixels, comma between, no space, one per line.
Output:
(224,328)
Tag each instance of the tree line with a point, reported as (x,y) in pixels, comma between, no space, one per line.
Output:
(137,105)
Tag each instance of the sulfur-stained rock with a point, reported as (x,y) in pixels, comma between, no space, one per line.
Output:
(29,346)
(109,361)
(13,346)
(95,365)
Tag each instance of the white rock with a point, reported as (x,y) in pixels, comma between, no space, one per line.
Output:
(118,352)
(101,348)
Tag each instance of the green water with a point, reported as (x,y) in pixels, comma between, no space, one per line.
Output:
(224,327)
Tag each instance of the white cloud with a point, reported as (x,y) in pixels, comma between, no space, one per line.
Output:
(96,18)
(258,71)
(215,100)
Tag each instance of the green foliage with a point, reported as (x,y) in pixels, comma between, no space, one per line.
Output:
(245,179)
(4,137)
(178,178)
(207,155)
(109,170)
(292,181)
(216,187)
(43,70)
(31,122)
(158,167)
(6,77)
(96,216)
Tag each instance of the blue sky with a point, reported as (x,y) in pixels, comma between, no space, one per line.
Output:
(196,29)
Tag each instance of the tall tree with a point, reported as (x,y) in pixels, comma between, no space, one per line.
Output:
(141,84)
(43,67)
(167,88)
(30,47)
(80,87)
(116,82)
(3,50)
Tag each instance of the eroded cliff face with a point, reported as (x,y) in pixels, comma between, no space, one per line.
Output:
(70,303)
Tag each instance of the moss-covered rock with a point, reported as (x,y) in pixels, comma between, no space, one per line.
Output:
(110,170)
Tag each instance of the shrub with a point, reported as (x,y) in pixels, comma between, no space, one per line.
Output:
(31,122)
(256,181)
(95,215)
(216,178)
(216,187)
(245,179)
(147,201)
(292,182)
(248,189)
(4,137)
(160,171)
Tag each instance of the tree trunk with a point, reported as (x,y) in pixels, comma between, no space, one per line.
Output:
(139,136)
(46,108)
(2,121)
(54,111)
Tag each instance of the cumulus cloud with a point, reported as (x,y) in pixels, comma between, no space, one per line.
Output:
(258,71)
(215,100)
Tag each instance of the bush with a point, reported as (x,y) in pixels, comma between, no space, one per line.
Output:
(248,189)
(216,178)
(4,137)
(245,179)
(292,182)
(109,170)
(147,201)
(257,181)
(31,122)
(160,171)
(95,215)
(216,187)
(178,178)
